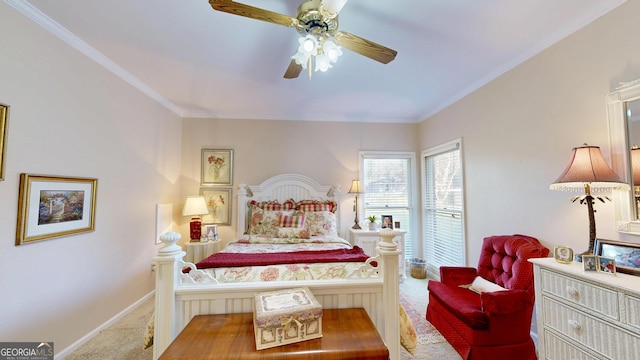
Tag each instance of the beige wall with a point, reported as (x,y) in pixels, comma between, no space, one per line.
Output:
(325,151)
(71,117)
(518,132)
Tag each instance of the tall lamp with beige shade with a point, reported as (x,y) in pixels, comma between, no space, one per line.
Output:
(588,171)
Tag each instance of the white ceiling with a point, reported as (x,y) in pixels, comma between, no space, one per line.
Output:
(200,62)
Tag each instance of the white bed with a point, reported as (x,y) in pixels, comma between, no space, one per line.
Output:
(179,297)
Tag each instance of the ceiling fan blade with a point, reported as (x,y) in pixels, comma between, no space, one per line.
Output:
(333,6)
(293,70)
(232,7)
(365,47)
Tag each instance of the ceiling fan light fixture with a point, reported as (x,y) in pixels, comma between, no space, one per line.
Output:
(309,44)
(310,49)
(322,62)
(332,50)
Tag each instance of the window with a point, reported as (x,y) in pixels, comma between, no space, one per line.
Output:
(443,207)
(387,179)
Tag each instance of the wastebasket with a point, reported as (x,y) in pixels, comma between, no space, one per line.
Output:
(418,268)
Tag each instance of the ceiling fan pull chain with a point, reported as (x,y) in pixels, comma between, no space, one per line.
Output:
(310,66)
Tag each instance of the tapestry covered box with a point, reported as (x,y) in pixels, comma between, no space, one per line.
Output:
(286,316)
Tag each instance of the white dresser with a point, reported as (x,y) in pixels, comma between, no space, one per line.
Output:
(368,241)
(586,315)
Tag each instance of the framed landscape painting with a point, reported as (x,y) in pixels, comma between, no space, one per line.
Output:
(54,206)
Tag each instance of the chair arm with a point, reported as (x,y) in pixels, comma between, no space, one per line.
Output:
(505,302)
(457,275)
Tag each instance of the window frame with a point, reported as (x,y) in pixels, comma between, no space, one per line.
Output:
(452,145)
(411,234)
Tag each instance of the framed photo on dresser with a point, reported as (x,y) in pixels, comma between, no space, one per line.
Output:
(625,254)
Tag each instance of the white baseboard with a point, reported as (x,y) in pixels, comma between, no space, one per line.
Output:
(71,348)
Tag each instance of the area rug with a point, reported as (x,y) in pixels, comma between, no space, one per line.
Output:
(431,344)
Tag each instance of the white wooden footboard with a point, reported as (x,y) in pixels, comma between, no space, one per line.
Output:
(177,302)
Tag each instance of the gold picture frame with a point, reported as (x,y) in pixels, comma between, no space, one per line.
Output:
(219,204)
(216,167)
(4,126)
(54,206)
(563,254)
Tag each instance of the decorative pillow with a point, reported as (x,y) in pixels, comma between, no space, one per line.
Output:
(408,337)
(317,205)
(148,336)
(292,221)
(292,233)
(480,285)
(264,222)
(321,223)
(274,205)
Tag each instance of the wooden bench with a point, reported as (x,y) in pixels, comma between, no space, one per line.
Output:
(347,334)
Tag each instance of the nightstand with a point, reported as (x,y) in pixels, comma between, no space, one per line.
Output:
(197,251)
(368,241)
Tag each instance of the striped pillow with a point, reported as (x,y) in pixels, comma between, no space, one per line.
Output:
(316,205)
(291,221)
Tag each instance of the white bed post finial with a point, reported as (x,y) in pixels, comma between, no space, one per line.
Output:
(166,262)
(389,252)
(242,209)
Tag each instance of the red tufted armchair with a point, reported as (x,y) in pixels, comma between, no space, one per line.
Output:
(489,325)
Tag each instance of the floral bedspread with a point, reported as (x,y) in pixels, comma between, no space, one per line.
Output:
(265,244)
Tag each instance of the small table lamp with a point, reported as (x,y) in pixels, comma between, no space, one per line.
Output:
(356,188)
(588,171)
(195,206)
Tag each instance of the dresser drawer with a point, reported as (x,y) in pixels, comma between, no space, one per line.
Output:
(558,349)
(632,311)
(593,333)
(601,300)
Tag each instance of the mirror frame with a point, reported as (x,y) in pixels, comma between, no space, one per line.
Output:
(624,202)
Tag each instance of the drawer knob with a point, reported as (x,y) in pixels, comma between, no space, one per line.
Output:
(573,292)
(574,325)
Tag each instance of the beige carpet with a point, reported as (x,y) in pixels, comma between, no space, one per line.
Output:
(124,339)
(431,344)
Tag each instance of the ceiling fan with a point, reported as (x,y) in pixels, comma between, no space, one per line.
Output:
(317,22)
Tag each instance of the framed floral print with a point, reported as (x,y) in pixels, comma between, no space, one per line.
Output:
(4,120)
(219,204)
(217,167)
(54,206)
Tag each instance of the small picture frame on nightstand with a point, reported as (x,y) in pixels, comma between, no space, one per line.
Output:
(563,254)
(211,233)
(387,221)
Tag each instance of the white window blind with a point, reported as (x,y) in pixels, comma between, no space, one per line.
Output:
(387,178)
(443,207)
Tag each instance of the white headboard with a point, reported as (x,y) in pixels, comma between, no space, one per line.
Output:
(283,187)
